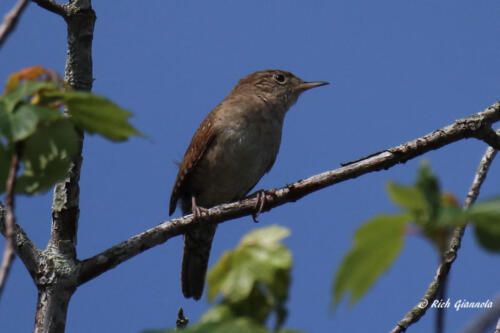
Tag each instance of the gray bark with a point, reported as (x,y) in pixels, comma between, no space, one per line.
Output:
(57,274)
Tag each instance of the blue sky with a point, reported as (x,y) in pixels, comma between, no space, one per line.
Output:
(399,69)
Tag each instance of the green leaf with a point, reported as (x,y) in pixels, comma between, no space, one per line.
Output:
(376,245)
(451,216)
(46,156)
(18,125)
(24,90)
(220,312)
(488,236)
(265,237)
(22,122)
(217,276)
(280,287)
(428,183)
(27,117)
(97,114)
(5,130)
(487,210)
(257,258)
(486,219)
(256,306)
(260,266)
(5,159)
(408,197)
(423,200)
(254,278)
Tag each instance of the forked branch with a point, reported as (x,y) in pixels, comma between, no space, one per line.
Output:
(442,272)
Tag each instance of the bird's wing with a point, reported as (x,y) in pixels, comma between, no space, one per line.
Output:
(200,142)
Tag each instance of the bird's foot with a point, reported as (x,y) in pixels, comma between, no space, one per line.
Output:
(197,210)
(261,201)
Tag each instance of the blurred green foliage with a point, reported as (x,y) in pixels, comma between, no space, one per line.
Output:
(32,122)
(428,212)
(251,283)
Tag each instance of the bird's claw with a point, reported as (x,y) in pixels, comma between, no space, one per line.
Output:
(197,210)
(261,201)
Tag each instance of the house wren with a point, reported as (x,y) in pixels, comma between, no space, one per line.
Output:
(232,149)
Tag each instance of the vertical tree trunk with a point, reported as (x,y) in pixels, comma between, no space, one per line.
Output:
(51,309)
(57,277)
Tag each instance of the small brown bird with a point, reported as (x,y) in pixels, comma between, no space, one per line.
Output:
(233,148)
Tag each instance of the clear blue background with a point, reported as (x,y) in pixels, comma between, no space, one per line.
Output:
(399,69)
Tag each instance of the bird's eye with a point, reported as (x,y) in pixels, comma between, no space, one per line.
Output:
(279,77)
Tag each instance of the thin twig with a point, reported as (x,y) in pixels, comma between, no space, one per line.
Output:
(8,254)
(53,6)
(472,126)
(486,319)
(26,250)
(497,328)
(10,20)
(449,257)
(441,311)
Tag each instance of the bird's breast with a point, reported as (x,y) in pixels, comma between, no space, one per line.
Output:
(241,153)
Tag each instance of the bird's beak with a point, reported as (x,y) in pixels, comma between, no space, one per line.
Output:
(308,85)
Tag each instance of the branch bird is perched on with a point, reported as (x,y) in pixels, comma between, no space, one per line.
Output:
(232,149)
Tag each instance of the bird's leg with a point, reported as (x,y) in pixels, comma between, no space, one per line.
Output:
(261,200)
(197,210)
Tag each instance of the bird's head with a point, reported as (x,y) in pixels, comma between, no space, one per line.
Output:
(276,87)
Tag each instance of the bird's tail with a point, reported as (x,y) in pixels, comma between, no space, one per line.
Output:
(197,245)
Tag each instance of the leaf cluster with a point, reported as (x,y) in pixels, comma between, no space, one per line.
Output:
(40,117)
(426,211)
(252,283)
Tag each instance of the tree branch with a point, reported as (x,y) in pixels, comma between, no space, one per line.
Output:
(16,238)
(473,126)
(10,20)
(58,275)
(449,257)
(53,7)
(8,254)
(486,319)
(25,249)
(78,73)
